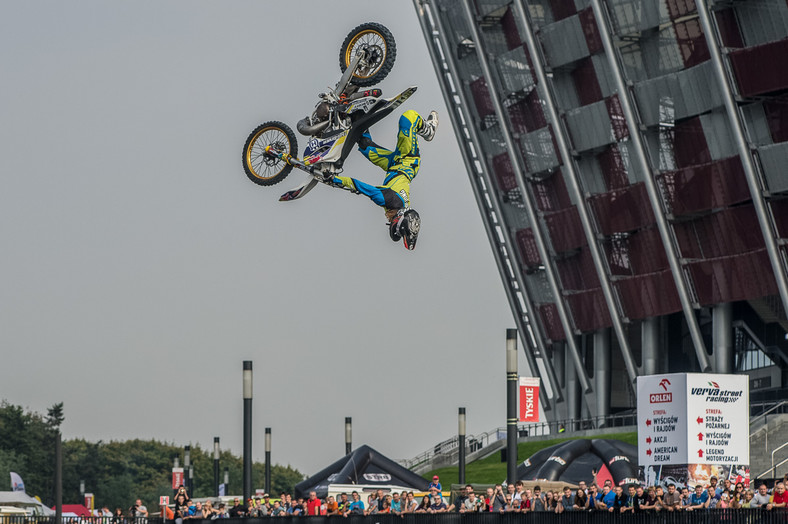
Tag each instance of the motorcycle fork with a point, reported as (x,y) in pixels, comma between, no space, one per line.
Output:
(294,161)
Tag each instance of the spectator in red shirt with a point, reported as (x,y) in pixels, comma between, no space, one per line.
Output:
(313,504)
(779,497)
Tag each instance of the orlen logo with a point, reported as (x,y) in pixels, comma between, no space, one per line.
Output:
(656,398)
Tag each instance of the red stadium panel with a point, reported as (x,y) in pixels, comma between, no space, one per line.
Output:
(551,322)
(648,295)
(780,213)
(692,42)
(638,253)
(527,114)
(706,186)
(577,272)
(550,193)
(510,32)
(562,9)
(728,232)
(679,8)
(527,246)
(776,111)
(647,252)
(589,310)
(729,28)
(689,143)
(504,172)
(613,168)
(760,69)
(622,210)
(566,232)
(590,30)
(586,82)
(617,120)
(728,279)
(481,97)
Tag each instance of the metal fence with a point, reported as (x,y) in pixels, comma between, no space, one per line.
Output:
(725,516)
(450,447)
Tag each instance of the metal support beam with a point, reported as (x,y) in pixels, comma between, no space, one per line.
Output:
(722,337)
(753,178)
(641,162)
(538,60)
(488,202)
(529,208)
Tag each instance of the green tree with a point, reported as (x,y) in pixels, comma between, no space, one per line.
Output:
(116,472)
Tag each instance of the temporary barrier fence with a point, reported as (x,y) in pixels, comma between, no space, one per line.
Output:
(723,516)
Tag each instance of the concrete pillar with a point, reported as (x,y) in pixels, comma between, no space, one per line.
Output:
(572,395)
(722,337)
(649,335)
(602,373)
(559,365)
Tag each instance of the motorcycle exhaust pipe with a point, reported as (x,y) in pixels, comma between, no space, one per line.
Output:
(306,129)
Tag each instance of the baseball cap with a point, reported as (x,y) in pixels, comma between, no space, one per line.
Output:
(435,477)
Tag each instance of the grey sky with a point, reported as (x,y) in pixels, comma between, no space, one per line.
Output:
(140,267)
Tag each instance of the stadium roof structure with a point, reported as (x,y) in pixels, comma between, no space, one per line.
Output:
(628,161)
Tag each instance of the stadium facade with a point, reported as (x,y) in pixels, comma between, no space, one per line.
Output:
(630,162)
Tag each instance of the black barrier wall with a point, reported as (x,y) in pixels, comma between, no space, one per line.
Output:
(725,516)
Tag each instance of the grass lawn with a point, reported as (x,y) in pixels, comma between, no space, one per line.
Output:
(492,471)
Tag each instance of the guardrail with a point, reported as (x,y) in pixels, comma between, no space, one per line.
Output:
(559,428)
(726,516)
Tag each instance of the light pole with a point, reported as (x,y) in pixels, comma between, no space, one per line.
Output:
(268,460)
(511,406)
(59,477)
(187,462)
(348,434)
(461,433)
(216,464)
(247,390)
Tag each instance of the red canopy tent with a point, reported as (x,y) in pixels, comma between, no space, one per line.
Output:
(78,509)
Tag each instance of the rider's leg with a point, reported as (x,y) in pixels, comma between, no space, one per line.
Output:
(378,155)
(407,139)
(384,196)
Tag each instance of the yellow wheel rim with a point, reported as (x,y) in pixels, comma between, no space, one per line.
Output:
(370,37)
(256,161)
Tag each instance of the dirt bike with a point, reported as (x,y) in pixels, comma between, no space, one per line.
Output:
(338,121)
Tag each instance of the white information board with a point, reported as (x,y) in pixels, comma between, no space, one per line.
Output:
(696,418)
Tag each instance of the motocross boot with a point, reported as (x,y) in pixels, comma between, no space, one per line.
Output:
(394,226)
(428,126)
(409,228)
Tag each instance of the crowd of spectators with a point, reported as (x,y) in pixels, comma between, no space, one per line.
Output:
(622,499)
(513,498)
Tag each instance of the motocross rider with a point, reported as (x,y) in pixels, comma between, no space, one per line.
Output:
(401,166)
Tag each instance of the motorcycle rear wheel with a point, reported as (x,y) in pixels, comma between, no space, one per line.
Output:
(380,44)
(262,168)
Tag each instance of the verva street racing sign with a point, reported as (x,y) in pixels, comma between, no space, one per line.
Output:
(693,418)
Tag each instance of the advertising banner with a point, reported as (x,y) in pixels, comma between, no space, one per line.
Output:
(662,419)
(699,420)
(718,409)
(529,399)
(177,478)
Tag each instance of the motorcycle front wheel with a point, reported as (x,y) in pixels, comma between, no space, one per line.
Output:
(378,42)
(261,167)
